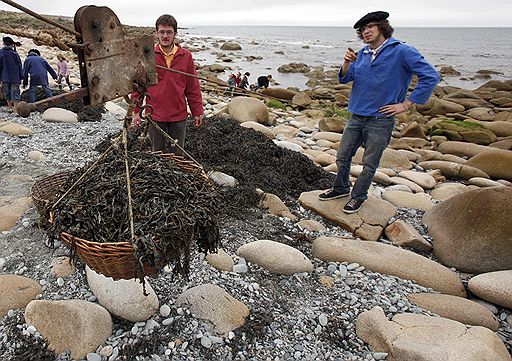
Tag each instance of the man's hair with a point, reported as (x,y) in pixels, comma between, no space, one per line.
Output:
(384,26)
(168,20)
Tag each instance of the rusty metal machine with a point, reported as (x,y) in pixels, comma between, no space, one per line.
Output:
(111,65)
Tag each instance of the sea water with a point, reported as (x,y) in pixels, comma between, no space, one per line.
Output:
(467,50)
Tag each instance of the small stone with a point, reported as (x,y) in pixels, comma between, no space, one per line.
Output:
(92,356)
(231,335)
(31,329)
(168,321)
(10,313)
(206,342)
(343,271)
(379,355)
(323,320)
(134,330)
(393,309)
(60,282)
(352,266)
(165,310)
(106,351)
(240,268)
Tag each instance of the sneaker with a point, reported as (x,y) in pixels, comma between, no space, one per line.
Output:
(332,194)
(353,205)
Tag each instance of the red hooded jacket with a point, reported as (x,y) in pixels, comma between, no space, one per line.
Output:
(168,96)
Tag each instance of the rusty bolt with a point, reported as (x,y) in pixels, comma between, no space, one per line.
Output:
(104,99)
(112,25)
(96,23)
(96,96)
(95,80)
(146,50)
(136,45)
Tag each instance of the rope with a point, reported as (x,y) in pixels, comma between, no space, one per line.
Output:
(44,37)
(42,18)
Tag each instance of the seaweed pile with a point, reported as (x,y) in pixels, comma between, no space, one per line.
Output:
(254,160)
(171,208)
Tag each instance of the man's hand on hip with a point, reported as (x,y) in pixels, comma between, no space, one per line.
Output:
(395,109)
(198,120)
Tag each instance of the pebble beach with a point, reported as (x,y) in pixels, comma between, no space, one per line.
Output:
(422,272)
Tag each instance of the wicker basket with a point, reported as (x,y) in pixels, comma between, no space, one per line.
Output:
(44,190)
(112,259)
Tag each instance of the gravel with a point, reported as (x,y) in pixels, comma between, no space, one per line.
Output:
(291,318)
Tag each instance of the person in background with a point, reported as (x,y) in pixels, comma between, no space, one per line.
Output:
(63,71)
(231,83)
(37,68)
(262,82)
(10,73)
(238,79)
(245,80)
(381,73)
(170,96)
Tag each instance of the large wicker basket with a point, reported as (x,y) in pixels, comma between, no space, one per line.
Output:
(112,259)
(44,190)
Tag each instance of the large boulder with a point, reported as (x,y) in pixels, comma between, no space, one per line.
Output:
(410,337)
(230,45)
(456,308)
(245,109)
(276,257)
(463,149)
(212,303)
(471,132)
(10,213)
(454,170)
(123,298)
(495,287)
(294,68)
(390,159)
(368,223)
(467,98)
(435,106)
(269,133)
(75,325)
(302,99)
(280,93)
(497,165)
(59,115)
(332,124)
(17,292)
(471,231)
(390,260)
(16,130)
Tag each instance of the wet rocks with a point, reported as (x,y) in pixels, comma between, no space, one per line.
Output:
(294,68)
(244,109)
(59,115)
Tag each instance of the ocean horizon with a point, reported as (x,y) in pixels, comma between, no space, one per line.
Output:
(466,49)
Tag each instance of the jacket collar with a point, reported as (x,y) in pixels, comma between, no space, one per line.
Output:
(389,41)
(158,50)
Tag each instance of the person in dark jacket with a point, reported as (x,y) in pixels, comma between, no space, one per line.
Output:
(263,82)
(37,68)
(381,73)
(10,73)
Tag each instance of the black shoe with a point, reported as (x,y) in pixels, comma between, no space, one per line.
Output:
(332,194)
(353,205)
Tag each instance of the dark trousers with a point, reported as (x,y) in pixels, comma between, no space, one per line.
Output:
(372,132)
(176,130)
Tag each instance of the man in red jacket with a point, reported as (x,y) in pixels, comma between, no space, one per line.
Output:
(170,96)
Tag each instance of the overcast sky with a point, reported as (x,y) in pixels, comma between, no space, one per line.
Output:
(437,13)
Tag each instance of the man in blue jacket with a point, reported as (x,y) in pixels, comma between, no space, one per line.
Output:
(381,73)
(37,67)
(10,73)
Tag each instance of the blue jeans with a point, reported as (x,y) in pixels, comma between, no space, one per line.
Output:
(32,92)
(374,133)
(11,91)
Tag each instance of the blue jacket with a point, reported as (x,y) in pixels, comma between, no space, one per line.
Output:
(10,65)
(37,67)
(386,79)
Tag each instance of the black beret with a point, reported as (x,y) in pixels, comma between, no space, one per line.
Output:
(35,51)
(368,18)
